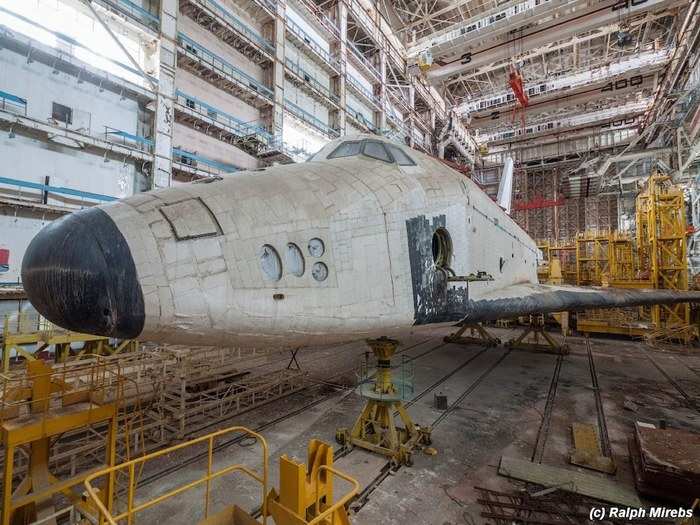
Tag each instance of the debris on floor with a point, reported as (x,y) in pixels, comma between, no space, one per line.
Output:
(549,506)
(570,480)
(666,463)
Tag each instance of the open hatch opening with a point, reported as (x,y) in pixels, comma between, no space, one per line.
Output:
(442,248)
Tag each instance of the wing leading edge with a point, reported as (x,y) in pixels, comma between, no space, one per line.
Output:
(525,299)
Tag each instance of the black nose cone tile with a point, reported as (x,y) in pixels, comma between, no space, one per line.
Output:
(78,273)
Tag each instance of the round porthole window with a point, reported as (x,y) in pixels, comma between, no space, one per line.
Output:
(294,260)
(316,247)
(270,263)
(442,248)
(319,271)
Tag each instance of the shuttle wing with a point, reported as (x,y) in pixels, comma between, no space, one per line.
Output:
(527,298)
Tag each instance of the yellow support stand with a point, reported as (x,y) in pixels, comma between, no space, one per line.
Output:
(34,411)
(376,428)
(24,329)
(306,491)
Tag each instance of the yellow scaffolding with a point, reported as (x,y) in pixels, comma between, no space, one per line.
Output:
(35,409)
(565,252)
(592,257)
(24,329)
(661,241)
(655,258)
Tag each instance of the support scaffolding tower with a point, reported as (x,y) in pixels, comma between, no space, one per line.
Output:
(655,258)
(661,240)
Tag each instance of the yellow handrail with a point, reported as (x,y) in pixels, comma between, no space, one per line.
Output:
(105,512)
(341,502)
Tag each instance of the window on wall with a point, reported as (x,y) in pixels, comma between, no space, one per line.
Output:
(62,113)
(374,149)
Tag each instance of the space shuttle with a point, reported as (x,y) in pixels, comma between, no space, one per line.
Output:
(366,238)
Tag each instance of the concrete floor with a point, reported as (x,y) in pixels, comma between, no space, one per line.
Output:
(501,415)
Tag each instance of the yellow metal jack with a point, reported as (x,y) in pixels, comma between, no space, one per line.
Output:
(306,491)
(376,429)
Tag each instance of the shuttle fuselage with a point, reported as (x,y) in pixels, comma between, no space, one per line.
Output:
(331,249)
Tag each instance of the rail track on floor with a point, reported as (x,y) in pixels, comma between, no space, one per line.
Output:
(156,476)
(605,446)
(389,467)
(688,400)
(543,430)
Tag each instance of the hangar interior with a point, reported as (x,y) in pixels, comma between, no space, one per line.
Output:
(579,118)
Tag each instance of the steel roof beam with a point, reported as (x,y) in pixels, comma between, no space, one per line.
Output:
(589,79)
(616,89)
(575,121)
(580,21)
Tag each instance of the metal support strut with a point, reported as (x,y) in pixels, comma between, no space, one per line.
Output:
(535,327)
(293,360)
(33,413)
(376,428)
(484,337)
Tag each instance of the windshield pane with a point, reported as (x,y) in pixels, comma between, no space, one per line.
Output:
(401,156)
(376,150)
(346,149)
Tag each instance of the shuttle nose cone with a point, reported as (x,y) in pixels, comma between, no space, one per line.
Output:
(79,274)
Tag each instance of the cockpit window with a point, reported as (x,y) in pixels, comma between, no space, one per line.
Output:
(346,149)
(401,156)
(376,150)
